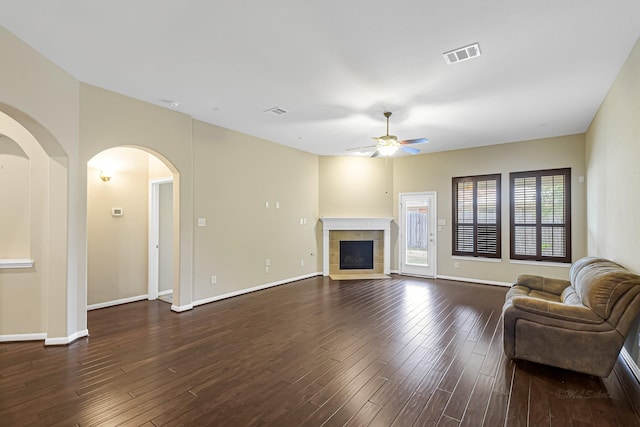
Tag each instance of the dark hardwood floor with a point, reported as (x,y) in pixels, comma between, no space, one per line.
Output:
(400,352)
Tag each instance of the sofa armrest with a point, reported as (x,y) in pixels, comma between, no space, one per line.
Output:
(557,310)
(544,284)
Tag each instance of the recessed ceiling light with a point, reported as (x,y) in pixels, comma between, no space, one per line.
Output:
(462,53)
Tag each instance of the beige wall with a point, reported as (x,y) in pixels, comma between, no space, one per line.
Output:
(613,178)
(110,120)
(235,175)
(15,193)
(613,170)
(356,187)
(44,100)
(118,246)
(24,293)
(157,169)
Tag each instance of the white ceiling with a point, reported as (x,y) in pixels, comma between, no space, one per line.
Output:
(337,65)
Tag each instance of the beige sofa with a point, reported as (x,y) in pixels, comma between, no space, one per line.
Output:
(580,324)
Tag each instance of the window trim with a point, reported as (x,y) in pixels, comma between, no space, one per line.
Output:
(475,179)
(538,174)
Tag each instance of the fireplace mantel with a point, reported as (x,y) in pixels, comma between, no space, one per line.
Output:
(329,224)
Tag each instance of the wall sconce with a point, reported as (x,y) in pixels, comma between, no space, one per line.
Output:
(106,176)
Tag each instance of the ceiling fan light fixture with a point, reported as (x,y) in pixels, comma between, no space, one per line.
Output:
(387,150)
(387,144)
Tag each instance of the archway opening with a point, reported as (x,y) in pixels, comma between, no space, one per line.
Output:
(35,292)
(120,258)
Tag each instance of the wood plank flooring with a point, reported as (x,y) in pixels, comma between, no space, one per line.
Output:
(394,352)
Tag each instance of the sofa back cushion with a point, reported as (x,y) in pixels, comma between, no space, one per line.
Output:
(600,283)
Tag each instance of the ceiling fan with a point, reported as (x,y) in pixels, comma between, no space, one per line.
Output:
(388,144)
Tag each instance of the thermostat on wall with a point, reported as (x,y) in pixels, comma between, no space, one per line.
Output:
(116,212)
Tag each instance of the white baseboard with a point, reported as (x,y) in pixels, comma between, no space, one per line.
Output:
(167,292)
(462,279)
(471,280)
(43,336)
(631,363)
(23,337)
(66,340)
(256,288)
(116,302)
(181,308)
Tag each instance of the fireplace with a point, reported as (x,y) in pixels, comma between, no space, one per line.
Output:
(335,230)
(356,255)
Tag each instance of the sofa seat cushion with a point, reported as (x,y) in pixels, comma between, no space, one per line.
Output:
(545,284)
(567,306)
(523,291)
(557,310)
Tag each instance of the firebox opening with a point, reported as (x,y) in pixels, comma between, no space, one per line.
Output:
(356,254)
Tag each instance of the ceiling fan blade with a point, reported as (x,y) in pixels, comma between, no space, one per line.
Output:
(409,149)
(376,154)
(362,148)
(414,141)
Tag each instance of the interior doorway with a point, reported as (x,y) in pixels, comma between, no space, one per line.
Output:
(417,234)
(161,239)
(120,185)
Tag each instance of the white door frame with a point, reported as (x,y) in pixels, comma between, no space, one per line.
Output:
(154,235)
(432,227)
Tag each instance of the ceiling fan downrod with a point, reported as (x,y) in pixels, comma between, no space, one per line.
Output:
(387,114)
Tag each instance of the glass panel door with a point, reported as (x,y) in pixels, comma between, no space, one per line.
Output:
(417,216)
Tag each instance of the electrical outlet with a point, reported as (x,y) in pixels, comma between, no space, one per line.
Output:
(301,263)
(456,264)
(266,270)
(214,280)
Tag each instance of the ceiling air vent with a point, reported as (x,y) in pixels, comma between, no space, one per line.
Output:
(276,110)
(462,54)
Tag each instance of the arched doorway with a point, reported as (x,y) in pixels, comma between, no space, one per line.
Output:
(38,294)
(119,186)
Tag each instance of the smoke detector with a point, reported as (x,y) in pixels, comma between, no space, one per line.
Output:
(462,54)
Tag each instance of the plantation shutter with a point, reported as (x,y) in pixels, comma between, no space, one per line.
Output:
(540,215)
(476,216)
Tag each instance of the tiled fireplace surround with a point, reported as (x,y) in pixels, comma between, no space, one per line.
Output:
(336,229)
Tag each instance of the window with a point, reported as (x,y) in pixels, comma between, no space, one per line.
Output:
(476,216)
(541,215)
